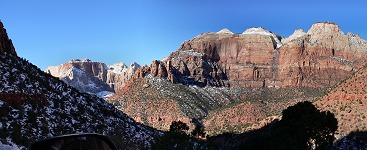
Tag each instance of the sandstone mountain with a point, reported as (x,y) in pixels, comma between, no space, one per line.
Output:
(94,77)
(34,105)
(258,58)
(258,73)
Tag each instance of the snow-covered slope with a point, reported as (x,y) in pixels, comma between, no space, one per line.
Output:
(34,105)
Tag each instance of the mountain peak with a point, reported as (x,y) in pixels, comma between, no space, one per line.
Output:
(296,34)
(225,31)
(263,31)
(134,65)
(324,28)
(257,30)
(6,45)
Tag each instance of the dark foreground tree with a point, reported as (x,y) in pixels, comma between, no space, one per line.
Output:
(198,132)
(309,126)
(302,126)
(178,127)
(176,138)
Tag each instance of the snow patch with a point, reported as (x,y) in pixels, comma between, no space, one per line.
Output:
(258,30)
(191,52)
(105,94)
(262,31)
(8,147)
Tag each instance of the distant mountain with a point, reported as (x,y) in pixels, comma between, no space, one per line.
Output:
(94,77)
(229,81)
(35,105)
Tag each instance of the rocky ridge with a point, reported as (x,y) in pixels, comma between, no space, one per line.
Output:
(6,45)
(253,63)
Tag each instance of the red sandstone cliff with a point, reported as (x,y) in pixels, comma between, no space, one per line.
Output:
(257,58)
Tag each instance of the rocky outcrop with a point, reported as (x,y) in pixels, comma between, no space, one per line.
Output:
(94,77)
(6,45)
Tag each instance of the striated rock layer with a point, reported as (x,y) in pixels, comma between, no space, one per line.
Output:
(243,72)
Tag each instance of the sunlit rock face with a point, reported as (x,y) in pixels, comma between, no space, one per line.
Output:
(261,58)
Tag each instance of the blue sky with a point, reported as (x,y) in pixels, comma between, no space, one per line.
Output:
(50,32)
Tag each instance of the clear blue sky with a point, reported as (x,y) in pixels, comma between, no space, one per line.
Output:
(49,32)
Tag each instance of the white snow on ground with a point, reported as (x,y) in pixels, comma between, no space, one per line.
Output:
(105,94)
(9,147)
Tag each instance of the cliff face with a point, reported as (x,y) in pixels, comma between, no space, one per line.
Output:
(321,58)
(6,45)
(93,77)
(227,72)
(257,58)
